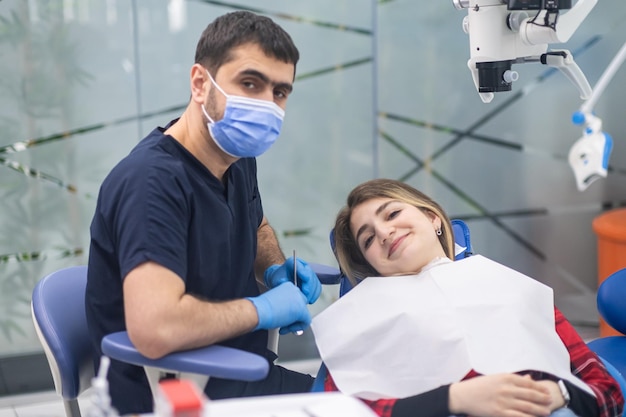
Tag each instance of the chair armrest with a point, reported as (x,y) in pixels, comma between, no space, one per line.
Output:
(617,375)
(611,349)
(327,275)
(215,360)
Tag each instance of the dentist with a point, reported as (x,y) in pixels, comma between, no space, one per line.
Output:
(181,254)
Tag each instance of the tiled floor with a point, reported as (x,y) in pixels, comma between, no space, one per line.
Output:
(45,404)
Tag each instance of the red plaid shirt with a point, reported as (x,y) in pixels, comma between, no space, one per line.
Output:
(584,363)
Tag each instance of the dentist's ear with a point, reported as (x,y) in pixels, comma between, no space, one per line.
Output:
(199,83)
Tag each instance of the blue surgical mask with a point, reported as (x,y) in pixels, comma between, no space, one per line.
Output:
(249,126)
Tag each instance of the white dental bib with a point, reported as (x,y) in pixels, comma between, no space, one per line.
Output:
(394,337)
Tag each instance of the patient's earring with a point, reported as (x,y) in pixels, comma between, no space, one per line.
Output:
(439,232)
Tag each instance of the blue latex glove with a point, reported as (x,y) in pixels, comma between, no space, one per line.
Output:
(308,282)
(283,306)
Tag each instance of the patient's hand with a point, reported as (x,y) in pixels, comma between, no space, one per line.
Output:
(501,395)
(557,400)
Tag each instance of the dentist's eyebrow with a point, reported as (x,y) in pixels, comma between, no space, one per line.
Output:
(266,79)
(378,211)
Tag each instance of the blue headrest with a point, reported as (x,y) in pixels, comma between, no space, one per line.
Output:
(610,299)
(461,233)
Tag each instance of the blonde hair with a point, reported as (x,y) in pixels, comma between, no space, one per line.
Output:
(351,260)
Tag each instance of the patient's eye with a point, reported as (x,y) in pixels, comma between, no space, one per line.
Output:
(368,241)
(393,214)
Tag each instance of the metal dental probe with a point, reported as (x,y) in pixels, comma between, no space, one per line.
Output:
(295,282)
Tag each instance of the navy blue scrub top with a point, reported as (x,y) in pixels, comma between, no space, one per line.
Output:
(161,204)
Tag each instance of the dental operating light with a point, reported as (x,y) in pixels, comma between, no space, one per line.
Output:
(589,156)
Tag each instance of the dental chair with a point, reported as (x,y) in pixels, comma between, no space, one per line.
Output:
(58,312)
(333,276)
(612,307)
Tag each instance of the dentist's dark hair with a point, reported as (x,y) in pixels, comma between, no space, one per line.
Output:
(234,29)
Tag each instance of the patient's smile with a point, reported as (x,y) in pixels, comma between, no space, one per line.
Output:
(395,245)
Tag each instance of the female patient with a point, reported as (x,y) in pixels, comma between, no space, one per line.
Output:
(390,229)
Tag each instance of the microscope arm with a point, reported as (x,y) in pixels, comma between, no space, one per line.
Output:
(563,60)
(604,80)
(534,34)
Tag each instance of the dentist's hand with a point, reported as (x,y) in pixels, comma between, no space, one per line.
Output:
(308,281)
(283,306)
